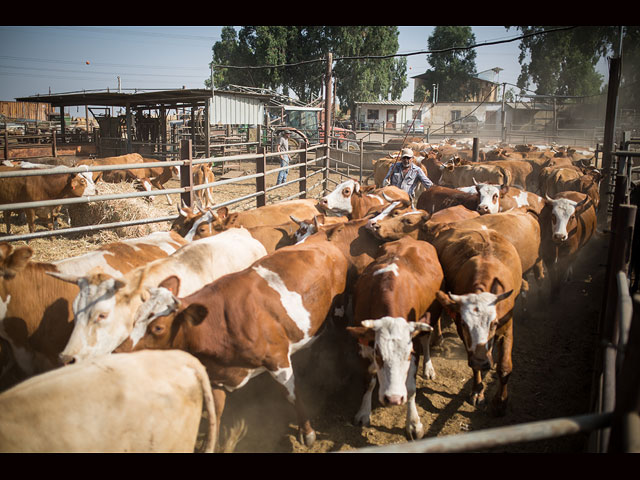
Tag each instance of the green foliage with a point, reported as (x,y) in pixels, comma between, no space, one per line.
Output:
(356,80)
(451,70)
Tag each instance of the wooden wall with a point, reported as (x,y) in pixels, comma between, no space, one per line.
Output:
(25,110)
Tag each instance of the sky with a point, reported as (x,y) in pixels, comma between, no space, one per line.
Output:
(61,59)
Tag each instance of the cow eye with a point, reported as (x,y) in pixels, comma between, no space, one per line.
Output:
(346,192)
(157,329)
(101,317)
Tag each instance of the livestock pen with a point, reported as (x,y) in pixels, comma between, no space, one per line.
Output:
(334,421)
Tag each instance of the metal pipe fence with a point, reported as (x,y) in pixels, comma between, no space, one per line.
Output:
(187,186)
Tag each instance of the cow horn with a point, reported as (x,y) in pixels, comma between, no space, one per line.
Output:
(502,296)
(548,198)
(299,222)
(66,277)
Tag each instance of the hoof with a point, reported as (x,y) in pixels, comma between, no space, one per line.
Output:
(429,372)
(415,432)
(477,399)
(307,440)
(362,419)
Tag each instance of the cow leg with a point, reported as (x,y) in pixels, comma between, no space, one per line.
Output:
(284,376)
(504,368)
(477,391)
(7,220)
(363,416)
(425,342)
(219,399)
(414,427)
(31,219)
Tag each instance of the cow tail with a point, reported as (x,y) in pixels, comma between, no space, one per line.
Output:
(209,407)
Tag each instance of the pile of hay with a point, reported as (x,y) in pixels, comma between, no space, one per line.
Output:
(122,210)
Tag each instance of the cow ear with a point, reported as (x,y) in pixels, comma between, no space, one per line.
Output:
(364,335)
(448,304)
(19,258)
(5,250)
(504,189)
(172,284)
(222,212)
(195,314)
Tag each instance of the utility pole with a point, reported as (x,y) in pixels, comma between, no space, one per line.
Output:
(327,101)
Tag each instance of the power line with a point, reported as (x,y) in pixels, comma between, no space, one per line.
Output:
(96,64)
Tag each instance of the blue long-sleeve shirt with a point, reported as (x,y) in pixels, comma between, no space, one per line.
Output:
(410,180)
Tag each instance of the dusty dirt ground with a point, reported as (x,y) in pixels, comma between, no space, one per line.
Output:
(553,358)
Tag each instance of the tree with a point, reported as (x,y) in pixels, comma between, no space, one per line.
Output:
(299,46)
(562,62)
(451,70)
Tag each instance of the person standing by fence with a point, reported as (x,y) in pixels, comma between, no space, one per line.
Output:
(283,146)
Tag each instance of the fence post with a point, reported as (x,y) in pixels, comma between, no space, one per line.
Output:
(54,150)
(625,429)
(361,158)
(186,173)
(325,175)
(261,181)
(303,172)
(6,142)
(474,154)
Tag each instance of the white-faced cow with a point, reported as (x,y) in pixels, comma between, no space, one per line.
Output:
(393,300)
(354,201)
(106,308)
(483,277)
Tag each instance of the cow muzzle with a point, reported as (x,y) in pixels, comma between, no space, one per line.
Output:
(67,359)
(483,209)
(480,359)
(394,400)
(560,237)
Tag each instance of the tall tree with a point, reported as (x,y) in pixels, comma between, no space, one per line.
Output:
(451,70)
(295,46)
(562,62)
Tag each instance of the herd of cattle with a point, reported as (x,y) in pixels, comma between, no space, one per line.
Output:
(124,347)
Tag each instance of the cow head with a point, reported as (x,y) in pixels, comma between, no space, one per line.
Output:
(210,223)
(103,313)
(389,342)
(405,223)
(161,331)
(307,228)
(163,300)
(339,200)
(563,216)
(489,197)
(82,184)
(476,315)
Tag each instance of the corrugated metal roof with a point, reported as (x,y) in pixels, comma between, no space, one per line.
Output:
(387,102)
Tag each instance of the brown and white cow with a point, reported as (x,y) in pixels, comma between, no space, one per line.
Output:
(36,315)
(203,174)
(41,187)
(483,277)
(518,226)
(439,197)
(107,308)
(237,335)
(500,198)
(394,298)
(142,402)
(354,201)
(466,175)
(417,223)
(112,176)
(567,223)
(152,176)
(275,214)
